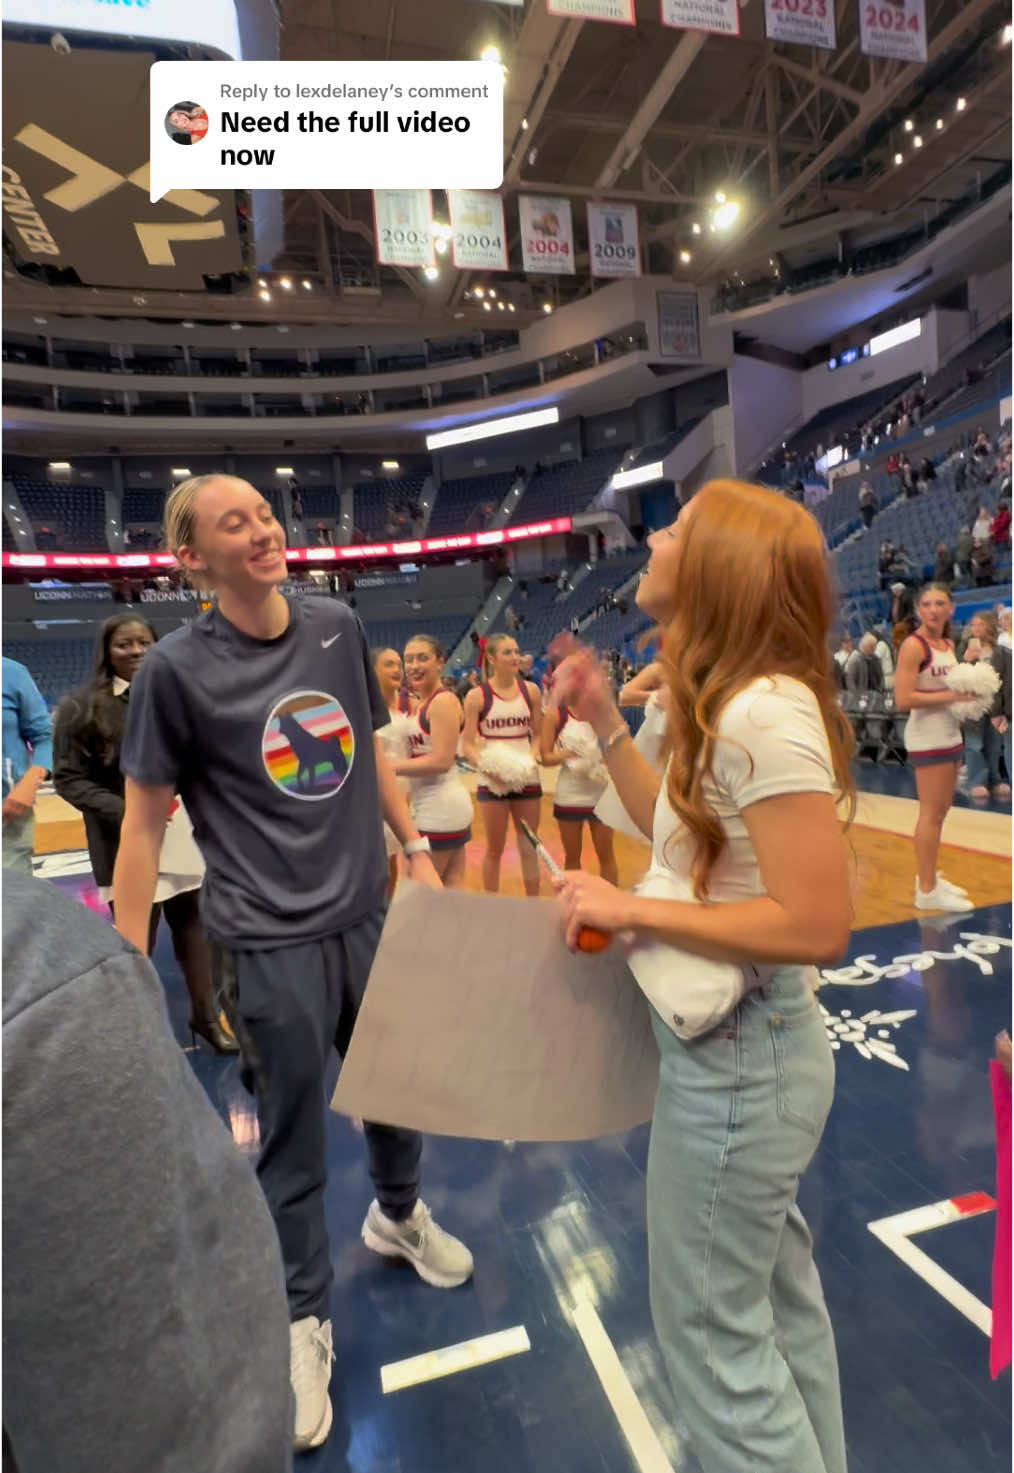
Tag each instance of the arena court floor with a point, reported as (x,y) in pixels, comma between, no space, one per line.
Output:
(558,1231)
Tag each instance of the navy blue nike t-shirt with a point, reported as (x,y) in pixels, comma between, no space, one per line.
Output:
(269,743)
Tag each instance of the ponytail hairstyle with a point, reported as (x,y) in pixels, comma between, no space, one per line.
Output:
(754,600)
(493,643)
(180,517)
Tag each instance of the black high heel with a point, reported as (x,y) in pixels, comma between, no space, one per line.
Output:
(215,1032)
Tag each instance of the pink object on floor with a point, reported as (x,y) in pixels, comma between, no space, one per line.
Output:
(1000,1345)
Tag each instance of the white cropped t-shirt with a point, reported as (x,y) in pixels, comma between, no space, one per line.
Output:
(771,741)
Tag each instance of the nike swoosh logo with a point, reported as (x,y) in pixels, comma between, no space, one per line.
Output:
(326,644)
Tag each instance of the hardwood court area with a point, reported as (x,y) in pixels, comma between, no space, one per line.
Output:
(978,856)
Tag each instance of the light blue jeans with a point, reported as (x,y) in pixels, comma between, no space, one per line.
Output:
(735,1295)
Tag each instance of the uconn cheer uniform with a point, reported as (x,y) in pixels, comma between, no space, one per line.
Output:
(933,733)
(441,806)
(576,793)
(508,719)
(395,740)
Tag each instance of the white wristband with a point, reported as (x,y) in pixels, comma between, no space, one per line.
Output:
(416,846)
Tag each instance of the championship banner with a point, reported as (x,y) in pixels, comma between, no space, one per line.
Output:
(719,16)
(547,234)
(679,333)
(621,11)
(612,240)
(801,22)
(403,227)
(478,234)
(895,29)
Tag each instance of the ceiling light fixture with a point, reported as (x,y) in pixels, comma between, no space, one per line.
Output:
(487,306)
(431,273)
(899,158)
(547,307)
(695,228)
(917,141)
(685,258)
(1005,36)
(940,124)
(726,215)
(490,53)
(961,104)
(719,198)
(286,284)
(307,286)
(909,126)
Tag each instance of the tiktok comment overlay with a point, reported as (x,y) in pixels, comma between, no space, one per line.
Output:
(328,124)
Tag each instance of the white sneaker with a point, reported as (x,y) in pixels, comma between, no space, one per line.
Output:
(940,899)
(310,1373)
(436,1257)
(949,889)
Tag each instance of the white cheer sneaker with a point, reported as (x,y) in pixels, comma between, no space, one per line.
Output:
(436,1257)
(941,898)
(310,1374)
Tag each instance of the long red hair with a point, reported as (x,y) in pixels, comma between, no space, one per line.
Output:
(754,598)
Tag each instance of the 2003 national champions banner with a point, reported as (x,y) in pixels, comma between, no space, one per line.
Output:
(478,237)
(547,234)
(404,227)
(612,240)
(801,22)
(893,28)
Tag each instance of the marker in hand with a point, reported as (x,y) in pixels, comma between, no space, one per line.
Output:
(588,937)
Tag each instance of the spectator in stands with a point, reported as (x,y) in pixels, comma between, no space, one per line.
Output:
(885,655)
(562,582)
(145,1323)
(884,562)
(983,523)
(863,671)
(943,568)
(999,531)
(27,763)
(984,563)
(868,504)
(984,738)
(901,569)
(87,737)
(1004,618)
(963,552)
(927,472)
(902,611)
(906,477)
(511,620)
(842,655)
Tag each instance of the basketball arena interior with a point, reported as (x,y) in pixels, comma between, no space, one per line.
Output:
(765,242)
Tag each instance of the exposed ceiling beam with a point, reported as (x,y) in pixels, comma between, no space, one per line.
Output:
(819,79)
(360,228)
(674,131)
(593,191)
(682,58)
(541,53)
(873,104)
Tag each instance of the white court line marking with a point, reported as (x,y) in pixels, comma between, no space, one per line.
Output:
(896,1233)
(464,1356)
(641,1439)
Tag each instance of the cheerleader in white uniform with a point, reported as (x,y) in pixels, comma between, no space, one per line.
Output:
(571,745)
(503,717)
(394,738)
(440,802)
(932,738)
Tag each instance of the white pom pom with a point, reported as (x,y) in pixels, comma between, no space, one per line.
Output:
(977,679)
(505,770)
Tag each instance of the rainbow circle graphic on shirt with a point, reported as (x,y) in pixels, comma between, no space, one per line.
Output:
(308,746)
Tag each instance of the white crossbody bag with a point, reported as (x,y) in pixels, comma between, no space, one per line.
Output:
(690,993)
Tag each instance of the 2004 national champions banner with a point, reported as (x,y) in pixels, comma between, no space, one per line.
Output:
(612,240)
(478,237)
(547,234)
(893,28)
(801,22)
(404,227)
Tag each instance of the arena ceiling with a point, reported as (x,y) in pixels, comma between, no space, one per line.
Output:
(805,141)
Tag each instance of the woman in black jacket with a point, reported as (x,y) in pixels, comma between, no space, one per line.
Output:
(87,736)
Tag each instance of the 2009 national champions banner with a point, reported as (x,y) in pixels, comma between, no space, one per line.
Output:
(801,22)
(478,237)
(547,234)
(613,247)
(403,220)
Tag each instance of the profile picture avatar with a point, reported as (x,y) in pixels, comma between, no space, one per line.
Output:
(186,122)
